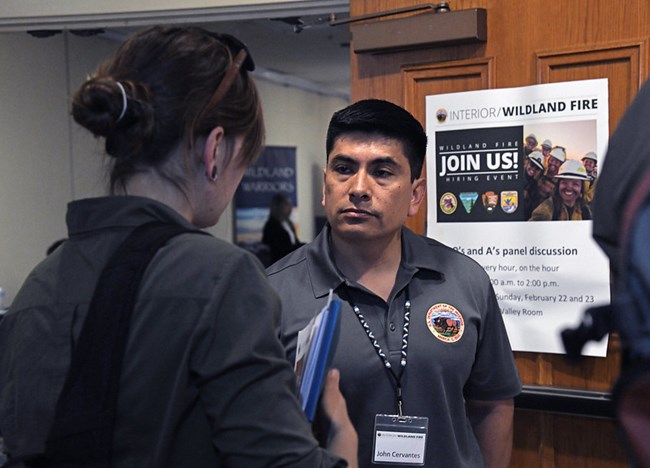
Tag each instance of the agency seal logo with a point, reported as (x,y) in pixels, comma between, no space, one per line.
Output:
(509,201)
(441,115)
(445,322)
(448,203)
(468,199)
(490,201)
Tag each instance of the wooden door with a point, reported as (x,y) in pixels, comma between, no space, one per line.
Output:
(529,42)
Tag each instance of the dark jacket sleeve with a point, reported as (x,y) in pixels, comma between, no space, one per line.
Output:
(246,384)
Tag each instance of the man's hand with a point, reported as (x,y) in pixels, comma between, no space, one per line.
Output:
(343,440)
(492,422)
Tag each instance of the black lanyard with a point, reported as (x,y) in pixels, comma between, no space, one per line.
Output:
(405,342)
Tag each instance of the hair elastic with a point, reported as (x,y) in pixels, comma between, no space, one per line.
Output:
(123,91)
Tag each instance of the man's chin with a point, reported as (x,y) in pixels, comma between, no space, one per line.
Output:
(357,230)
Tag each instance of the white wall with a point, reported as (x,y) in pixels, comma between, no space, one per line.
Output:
(47,160)
(35,177)
(298,118)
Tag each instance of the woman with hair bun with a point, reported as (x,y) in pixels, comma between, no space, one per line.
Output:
(204,380)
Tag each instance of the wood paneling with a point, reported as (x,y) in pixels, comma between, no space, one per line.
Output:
(529,42)
(624,65)
(549,440)
(452,77)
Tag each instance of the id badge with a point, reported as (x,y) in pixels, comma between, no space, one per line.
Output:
(400,440)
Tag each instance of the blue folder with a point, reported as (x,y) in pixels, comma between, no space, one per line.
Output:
(319,357)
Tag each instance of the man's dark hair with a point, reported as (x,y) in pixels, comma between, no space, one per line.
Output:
(386,119)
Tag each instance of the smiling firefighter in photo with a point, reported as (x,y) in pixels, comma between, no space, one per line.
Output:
(533,170)
(531,144)
(590,161)
(556,157)
(567,201)
(546,148)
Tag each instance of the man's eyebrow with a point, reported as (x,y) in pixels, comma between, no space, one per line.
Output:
(384,160)
(342,158)
(376,161)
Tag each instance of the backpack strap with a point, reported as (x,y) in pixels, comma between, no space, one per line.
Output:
(82,431)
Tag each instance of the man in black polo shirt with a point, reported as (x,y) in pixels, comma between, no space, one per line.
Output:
(422,339)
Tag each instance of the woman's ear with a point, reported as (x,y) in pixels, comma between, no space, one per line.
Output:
(212,150)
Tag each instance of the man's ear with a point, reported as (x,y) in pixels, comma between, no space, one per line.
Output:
(213,153)
(418,192)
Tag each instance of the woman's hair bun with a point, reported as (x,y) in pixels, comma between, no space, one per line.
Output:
(97,105)
(118,111)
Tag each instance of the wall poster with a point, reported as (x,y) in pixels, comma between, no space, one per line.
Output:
(492,194)
(274,172)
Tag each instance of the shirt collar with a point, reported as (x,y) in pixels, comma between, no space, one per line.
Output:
(93,214)
(417,254)
(422,253)
(320,262)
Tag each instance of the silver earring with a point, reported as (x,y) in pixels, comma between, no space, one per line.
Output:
(214,175)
